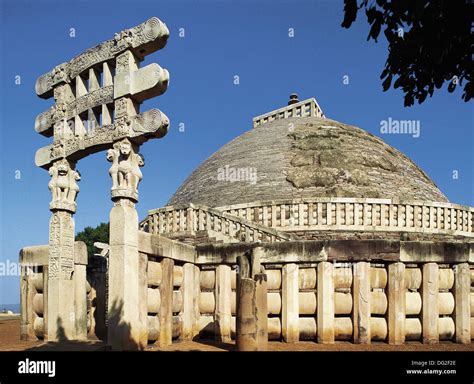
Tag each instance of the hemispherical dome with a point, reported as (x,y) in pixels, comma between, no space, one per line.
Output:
(305,157)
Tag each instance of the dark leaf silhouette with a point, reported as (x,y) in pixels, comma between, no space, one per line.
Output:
(350,12)
(387,82)
(429,44)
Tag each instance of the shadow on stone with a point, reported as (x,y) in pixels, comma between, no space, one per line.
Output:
(65,344)
(225,346)
(119,331)
(60,333)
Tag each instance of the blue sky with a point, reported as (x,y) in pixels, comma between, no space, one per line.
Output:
(222,39)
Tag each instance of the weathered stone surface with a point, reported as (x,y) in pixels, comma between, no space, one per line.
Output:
(223,305)
(413,303)
(207,302)
(325,317)
(430,308)
(37,255)
(166,309)
(378,303)
(446,328)
(316,157)
(38,304)
(430,251)
(97,297)
(412,329)
(153,300)
(196,297)
(378,277)
(246,320)
(313,251)
(124,325)
(80,301)
(446,278)
(463,304)
(208,279)
(342,330)
(274,303)
(361,293)
(413,278)
(154,272)
(364,250)
(143,300)
(178,276)
(27,296)
(290,305)
(343,303)
(307,327)
(396,303)
(307,303)
(307,278)
(273,278)
(188,311)
(161,246)
(261,304)
(274,328)
(378,328)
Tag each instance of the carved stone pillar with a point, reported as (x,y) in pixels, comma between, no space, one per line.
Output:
(61,323)
(124,325)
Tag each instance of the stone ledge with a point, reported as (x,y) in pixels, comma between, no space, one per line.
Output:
(428,251)
(341,250)
(39,254)
(348,250)
(161,246)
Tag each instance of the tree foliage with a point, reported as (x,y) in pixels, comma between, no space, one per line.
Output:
(429,43)
(90,235)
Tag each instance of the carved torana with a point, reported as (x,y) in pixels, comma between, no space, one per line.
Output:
(97,99)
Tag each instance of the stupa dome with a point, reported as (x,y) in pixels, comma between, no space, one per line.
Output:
(290,156)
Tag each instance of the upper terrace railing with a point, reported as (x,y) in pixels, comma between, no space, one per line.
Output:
(305,108)
(265,221)
(192,218)
(359,215)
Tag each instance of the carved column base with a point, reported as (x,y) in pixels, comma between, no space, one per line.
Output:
(126,193)
(63,206)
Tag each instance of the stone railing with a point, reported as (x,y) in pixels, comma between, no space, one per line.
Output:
(192,218)
(358,215)
(305,108)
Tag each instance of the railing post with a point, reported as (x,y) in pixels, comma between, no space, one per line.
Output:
(325,308)
(223,304)
(166,307)
(462,314)
(430,306)
(290,303)
(396,303)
